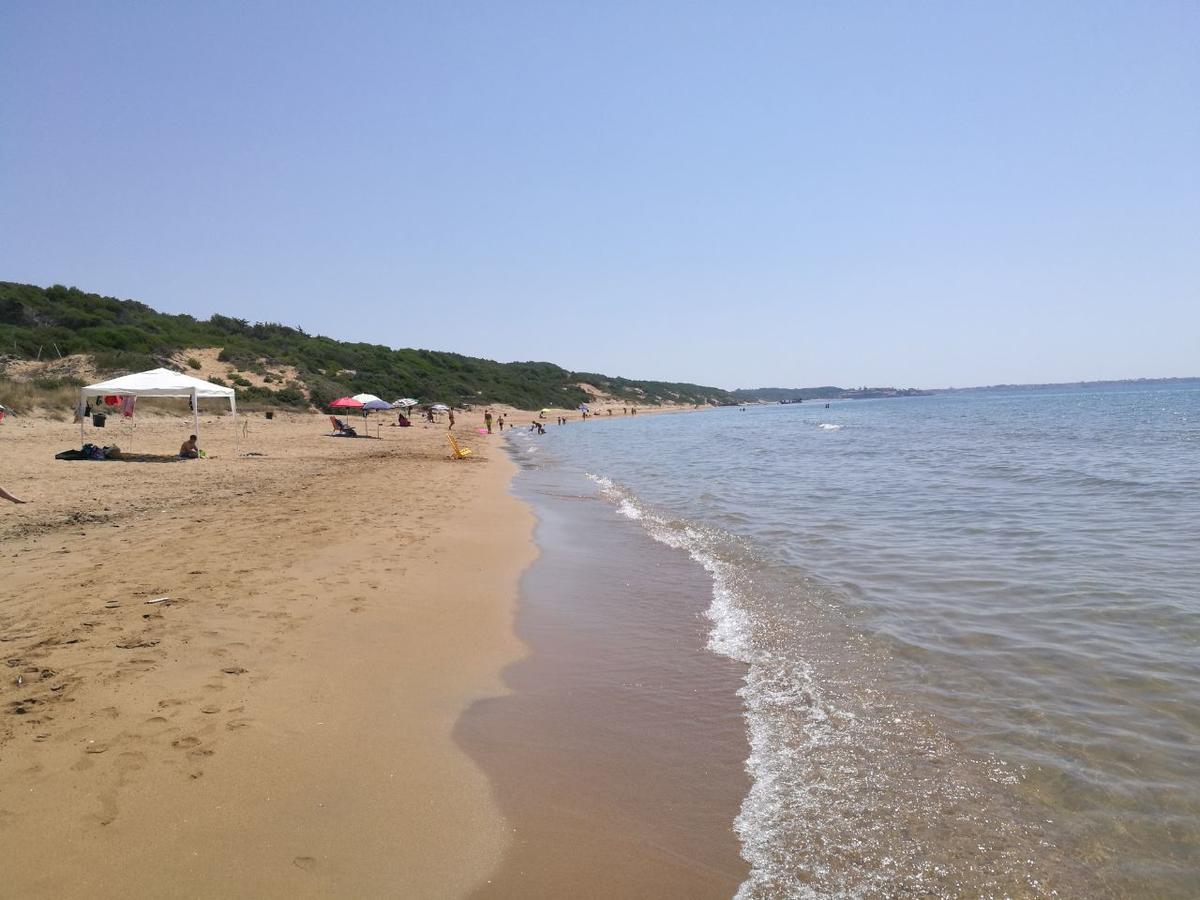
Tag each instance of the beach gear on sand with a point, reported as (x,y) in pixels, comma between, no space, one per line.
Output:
(459,452)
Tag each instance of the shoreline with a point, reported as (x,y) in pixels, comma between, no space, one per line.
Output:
(617,752)
(284,725)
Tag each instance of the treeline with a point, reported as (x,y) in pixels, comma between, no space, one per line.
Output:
(124,335)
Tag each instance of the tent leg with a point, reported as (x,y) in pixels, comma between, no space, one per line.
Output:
(81,435)
(195,414)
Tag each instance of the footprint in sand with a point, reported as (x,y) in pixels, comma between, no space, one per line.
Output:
(234,670)
(210,710)
(304,862)
(236,724)
(186,743)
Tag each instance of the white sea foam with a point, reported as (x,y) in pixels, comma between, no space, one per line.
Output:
(771,686)
(826,426)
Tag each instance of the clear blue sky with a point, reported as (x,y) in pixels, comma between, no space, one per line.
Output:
(739,194)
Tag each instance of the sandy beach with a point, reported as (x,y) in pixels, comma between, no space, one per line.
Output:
(282,725)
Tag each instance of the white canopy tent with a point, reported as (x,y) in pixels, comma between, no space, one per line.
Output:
(162,383)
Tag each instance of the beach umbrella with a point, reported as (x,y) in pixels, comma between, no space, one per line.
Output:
(364,399)
(346,403)
(376,404)
(440,407)
(405,403)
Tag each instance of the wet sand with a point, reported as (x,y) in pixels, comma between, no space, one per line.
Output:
(283,725)
(618,757)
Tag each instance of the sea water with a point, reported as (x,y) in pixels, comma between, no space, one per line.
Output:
(970,625)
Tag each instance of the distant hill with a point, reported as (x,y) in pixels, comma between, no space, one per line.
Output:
(280,365)
(826,392)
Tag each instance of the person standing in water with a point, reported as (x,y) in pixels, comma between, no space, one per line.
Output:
(487,420)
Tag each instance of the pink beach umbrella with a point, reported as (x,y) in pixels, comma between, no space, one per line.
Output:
(346,403)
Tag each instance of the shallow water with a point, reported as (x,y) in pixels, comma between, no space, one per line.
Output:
(971,624)
(617,756)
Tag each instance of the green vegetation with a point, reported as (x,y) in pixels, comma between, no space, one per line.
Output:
(124,335)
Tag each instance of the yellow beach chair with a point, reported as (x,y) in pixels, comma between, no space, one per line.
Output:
(459,452)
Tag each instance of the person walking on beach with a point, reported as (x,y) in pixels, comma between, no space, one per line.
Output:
(500,421)
(5,495)
(487,420)
(450,414)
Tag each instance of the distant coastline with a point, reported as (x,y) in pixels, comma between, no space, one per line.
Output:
(832,392)
(1115,382)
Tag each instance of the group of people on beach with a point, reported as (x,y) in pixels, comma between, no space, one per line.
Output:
(489,419)
(189,449)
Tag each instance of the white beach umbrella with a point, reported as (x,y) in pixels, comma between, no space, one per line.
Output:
(405,403)
(364,399)
(440,407)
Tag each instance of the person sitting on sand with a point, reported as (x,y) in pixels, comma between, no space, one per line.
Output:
(5,495)
(188,449)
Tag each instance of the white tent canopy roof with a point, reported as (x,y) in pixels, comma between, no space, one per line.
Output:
(367,398)
(160,383)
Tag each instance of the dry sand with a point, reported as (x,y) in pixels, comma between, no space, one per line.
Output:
(283,725)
